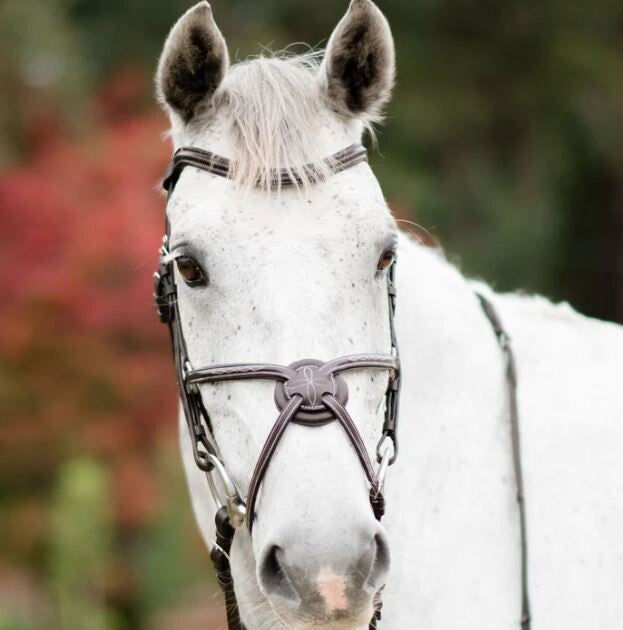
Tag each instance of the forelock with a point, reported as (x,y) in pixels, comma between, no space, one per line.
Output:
(274,106)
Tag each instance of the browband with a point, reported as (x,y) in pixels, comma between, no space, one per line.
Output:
(280,177)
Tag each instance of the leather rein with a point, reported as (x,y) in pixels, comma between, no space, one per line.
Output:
(308,392)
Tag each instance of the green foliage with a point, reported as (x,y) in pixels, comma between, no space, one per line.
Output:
(480,135)
(11,622)
(171,557)
(40,68)
(80,543)
(115,32)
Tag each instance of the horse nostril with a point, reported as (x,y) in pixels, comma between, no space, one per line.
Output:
(342,580)
(273,578)
(379,565)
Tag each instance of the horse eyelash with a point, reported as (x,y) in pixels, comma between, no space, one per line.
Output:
(171,256)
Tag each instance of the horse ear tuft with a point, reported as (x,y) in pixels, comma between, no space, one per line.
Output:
(193,62)
(359,65)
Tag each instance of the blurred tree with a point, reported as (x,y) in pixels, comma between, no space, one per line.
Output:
(114,33)
(167,543)
(484,139)
(41,73)
(80,543)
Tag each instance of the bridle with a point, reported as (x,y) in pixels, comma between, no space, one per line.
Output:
(308,392)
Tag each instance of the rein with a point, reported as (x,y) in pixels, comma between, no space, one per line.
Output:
(308,392)
(504,342)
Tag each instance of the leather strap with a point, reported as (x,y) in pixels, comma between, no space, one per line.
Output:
(223,167)
(220,560)
(339,411)
(504,342)
(266,454)
(274,371)
(376,496)
(239,372)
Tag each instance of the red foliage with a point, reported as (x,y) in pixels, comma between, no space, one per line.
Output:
(81,225)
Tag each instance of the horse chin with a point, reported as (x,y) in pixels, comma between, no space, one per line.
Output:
(337,620)
(316,611)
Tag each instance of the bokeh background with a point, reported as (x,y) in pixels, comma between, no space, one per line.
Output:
(504,142)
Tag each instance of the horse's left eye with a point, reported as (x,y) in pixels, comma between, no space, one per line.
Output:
(191,272)
(386,259)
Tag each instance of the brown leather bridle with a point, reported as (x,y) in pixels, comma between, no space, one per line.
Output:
(308,391)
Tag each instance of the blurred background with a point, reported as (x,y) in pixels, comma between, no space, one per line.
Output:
(504,141)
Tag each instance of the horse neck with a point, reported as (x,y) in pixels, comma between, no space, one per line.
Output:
(452,485)
(453,402)
(440,320)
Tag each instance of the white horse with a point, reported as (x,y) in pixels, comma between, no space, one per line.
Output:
(294,273)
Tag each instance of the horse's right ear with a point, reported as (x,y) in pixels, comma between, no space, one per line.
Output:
(193,62)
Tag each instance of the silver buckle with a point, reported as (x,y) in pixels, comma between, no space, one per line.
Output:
(386,450)
(236,508)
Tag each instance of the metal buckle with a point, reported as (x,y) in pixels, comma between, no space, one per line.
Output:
(236,508)
(385,451)
(187,368)
(504,340)
(165,290)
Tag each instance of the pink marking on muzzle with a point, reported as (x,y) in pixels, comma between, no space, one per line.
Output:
(332,588)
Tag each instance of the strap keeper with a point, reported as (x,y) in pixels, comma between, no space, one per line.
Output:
(200,432)
(377,500)
(165,293)
(170,176)
(223,524)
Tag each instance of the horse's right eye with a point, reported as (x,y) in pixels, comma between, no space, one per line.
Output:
(191,272)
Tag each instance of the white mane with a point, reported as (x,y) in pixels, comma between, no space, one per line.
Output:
(275,106)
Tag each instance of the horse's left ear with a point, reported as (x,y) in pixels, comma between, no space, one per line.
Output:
(359,64)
